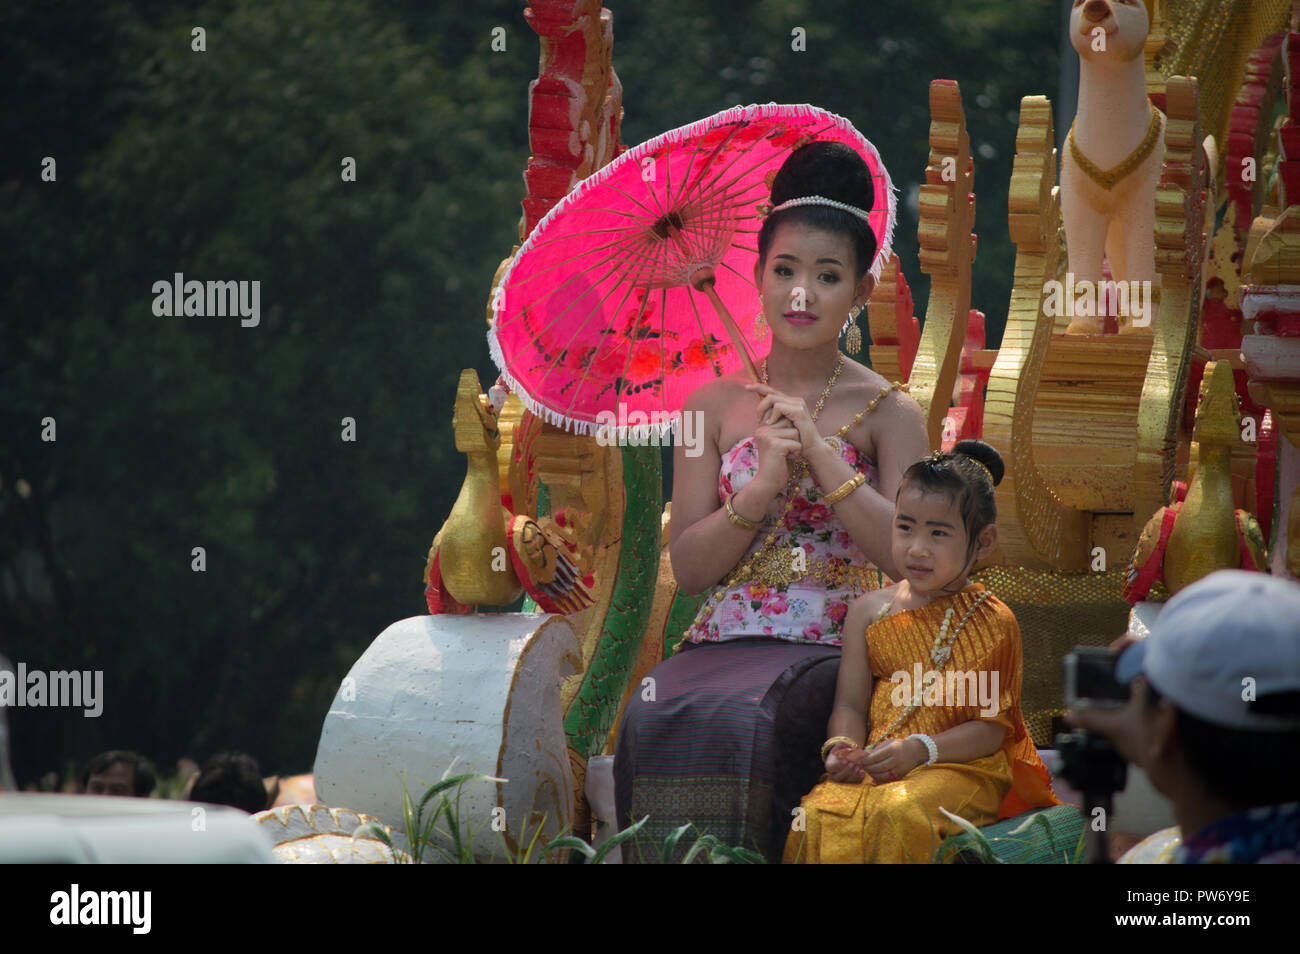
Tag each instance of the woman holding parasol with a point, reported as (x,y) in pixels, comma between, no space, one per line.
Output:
(783,520)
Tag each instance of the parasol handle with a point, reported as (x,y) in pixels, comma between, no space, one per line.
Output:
(703,280)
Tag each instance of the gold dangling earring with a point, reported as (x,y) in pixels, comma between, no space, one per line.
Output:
(760,321)
(853,337)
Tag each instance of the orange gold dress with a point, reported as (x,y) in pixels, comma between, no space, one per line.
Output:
(900,821)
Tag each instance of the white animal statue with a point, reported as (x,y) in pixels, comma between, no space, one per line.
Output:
(1112,162)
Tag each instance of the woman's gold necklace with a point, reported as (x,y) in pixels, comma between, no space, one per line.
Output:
(800,466)
(826,392)
(771,565)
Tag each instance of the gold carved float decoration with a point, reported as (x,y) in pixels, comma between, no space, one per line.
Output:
(552,503)
(947,240)
(1180,256)
(893,327)
(474,535)
(1037,528)
(1090,423)
(1211,40)
(1204,534)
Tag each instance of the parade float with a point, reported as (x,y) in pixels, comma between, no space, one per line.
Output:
(1141,454)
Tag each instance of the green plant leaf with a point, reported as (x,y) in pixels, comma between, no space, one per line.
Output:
(736,854)
(576,844)
(443,785)
(415,841)
(703,843)
(376,833)
(1079,847)
(617,840)
(982,846)
(523,859)
(670,843)
(1043,825)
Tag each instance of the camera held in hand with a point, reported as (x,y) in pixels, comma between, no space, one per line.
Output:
(1090,762)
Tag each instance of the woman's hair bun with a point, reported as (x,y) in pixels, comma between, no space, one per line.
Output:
(984,454)
(832,170)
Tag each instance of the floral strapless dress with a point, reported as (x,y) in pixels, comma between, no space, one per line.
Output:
(808,610)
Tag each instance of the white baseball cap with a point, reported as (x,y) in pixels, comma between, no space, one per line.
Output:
(1221,647)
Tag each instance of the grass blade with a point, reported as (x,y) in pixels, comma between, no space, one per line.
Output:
(703,843)
(617,840)
(982,846)
(439,787)
(376,833)
(576,844)
(528,853)
(670,843)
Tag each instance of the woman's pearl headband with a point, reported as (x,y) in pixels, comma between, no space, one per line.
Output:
(822,200)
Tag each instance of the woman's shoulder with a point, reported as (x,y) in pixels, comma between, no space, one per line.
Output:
(893,407)
(717,392)
(895,401)
(718,403)
(859,374)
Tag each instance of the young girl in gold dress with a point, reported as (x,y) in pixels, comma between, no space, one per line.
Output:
(945,660)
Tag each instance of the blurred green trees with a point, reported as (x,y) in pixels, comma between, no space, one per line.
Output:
(176,433)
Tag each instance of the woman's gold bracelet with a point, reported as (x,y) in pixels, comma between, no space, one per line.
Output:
(831,743)
(844,489)
(738,520)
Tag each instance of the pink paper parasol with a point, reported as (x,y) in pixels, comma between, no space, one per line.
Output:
(597,307)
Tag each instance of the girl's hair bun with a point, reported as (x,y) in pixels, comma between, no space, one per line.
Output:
(984,454)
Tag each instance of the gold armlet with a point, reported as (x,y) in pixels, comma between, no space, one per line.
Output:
(844,489)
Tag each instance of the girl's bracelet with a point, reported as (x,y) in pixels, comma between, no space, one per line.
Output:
(930,746)
(832,742)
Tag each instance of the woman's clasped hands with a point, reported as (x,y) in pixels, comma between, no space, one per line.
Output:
(785,431)
(776,407)
(777,442)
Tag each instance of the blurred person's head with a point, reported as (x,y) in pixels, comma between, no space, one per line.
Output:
(1214,713)
(231,778)
(119,773)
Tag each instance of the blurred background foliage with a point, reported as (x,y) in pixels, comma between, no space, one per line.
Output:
(175,433)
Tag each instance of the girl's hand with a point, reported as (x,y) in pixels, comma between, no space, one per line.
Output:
(890,761)
(776,404)
(776,444)
(840,768)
